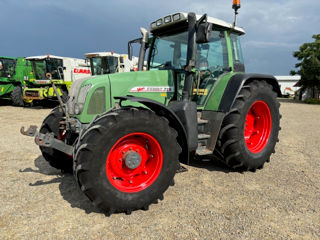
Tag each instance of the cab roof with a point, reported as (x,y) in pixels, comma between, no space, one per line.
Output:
(4,57)
(183,17)
(103,54)
(43,57)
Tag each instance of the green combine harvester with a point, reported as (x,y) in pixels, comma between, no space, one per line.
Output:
(14,76)
(123,135)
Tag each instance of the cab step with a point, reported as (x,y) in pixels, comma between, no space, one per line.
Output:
(201,151)
(202,121)
(202,136)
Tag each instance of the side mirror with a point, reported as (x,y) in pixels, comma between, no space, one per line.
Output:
(203,30)
(138,40)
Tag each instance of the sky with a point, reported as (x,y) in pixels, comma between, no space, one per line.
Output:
(71,28)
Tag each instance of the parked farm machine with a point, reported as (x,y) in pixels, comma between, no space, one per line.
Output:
(110,62)
(123,135)
(14,75)
(50,69)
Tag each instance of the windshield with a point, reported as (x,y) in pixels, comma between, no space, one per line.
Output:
(7,67)
(44,67)
(104,65)
(170,52)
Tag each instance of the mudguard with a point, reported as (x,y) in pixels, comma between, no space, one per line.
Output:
(235,84)
(173,119)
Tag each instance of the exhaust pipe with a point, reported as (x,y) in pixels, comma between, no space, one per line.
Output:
(143,48)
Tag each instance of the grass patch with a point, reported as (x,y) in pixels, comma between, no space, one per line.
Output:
(312,101)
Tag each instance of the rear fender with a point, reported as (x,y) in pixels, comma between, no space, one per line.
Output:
(173,119)
(235,84)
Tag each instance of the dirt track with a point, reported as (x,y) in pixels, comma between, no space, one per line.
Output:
(282,201)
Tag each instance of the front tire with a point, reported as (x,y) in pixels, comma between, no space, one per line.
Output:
(126,160)
(250,130)
(16,97)
(54,157)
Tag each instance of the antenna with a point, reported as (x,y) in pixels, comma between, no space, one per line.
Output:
(236,5)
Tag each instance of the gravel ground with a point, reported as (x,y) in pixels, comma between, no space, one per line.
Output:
(209,201)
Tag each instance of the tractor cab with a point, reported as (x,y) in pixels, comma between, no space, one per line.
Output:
(109,62)
(47,67)
(220,55)
(7,67)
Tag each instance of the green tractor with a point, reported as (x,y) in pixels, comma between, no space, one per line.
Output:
(124,134)
(14,75)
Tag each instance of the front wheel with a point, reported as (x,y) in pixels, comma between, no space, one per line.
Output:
(16,96)
(250,130)
(55,158)
(126,160)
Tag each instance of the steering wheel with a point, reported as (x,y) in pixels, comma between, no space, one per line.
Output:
(216,70)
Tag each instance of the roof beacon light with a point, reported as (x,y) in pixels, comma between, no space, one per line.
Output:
(236,5)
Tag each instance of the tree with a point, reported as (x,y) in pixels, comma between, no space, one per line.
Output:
(308,66)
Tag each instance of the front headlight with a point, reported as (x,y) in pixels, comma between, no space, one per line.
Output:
(78,107)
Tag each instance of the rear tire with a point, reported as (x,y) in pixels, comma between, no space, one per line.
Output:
(54,157)
(101,156)
(16,97)
(249,132)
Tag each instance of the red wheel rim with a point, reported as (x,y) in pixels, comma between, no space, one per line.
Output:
(134,162)
(257,126)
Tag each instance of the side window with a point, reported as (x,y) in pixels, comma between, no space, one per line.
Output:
(212,60)
(40,69)
(11,68)
(213,56)
(96,66)
(112,65)
(238,63)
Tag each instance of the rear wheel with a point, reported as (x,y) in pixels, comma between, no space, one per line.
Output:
(56,158)
(16,97)
(250,130)
(126,160)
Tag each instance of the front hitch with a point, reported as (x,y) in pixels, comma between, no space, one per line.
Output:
(47,140)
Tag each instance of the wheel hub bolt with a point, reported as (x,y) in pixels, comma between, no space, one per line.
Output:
(130,181)
(145,172)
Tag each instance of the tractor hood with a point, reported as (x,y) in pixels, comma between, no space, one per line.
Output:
(156,85)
